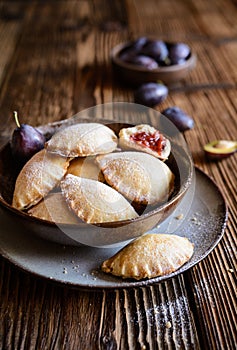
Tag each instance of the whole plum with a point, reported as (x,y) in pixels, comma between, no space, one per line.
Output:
(156,49)
(132,50)
(26,141)
(150,94)
(142,61)
(179,118)
(138,44)
(178,53)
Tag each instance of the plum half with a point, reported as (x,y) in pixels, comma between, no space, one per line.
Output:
(220,149)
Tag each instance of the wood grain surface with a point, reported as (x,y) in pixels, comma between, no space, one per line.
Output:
(55,62)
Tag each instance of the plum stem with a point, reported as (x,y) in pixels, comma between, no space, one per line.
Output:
(16,119)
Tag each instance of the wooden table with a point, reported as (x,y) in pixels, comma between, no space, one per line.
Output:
(54,62)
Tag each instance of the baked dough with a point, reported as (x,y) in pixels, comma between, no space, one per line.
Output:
(85,167)
(37,178)
(83,139)
(138,176)
(147,137)
(149,256)
(95,202)
(55,209)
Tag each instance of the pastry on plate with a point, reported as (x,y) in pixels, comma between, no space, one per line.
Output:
(83,139)
(95,202)
(145,138)
(85,167)
(139,176)
(55,209)
(150,256)
(37,178)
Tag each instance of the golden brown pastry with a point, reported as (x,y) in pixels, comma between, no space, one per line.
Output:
(149,256)
(145,138)
(55,209)
(83,139)
(140,177)
(85,167)
(37,178)
(95,202)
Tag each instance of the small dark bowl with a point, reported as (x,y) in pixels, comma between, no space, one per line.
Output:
(98,235)
(136,75)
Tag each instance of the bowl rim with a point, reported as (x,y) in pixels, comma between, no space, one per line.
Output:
(112,224)
(116,50)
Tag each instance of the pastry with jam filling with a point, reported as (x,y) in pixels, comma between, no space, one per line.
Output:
(145,138)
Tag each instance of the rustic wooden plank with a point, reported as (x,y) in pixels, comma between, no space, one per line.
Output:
(109,17)
(142,312)
(213,64)
(161,20)
(228,51)
(216,319)
(8,37)
(222,26)
(10,31)
(42,87)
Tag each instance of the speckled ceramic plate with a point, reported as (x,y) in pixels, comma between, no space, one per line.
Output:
(203,224)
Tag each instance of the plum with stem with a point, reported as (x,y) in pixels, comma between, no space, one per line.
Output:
(26,141)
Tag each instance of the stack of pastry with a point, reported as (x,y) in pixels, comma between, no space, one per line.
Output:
(82,175)
(97,182)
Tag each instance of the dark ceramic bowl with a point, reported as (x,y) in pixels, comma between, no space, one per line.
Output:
(136,75)
(98,235)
